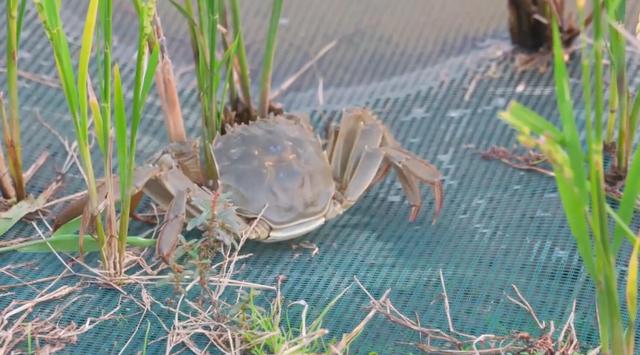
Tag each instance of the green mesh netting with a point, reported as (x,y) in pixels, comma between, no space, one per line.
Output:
(413,63)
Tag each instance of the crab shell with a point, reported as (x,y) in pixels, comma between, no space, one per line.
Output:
(276,169)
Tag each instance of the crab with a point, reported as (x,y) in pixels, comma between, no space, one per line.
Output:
(279,182)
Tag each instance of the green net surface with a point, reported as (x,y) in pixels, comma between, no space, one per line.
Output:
(437,73)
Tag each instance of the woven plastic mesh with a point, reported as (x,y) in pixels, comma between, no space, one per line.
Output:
(437,72)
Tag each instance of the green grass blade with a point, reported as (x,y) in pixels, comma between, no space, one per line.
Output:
(527,120)
(150,73)
(120,123)
(629,200)
(245,81)
(70,227)
(565,106)
(633,119)
(106,14)
(146,339)
(269,55)
(185,13)
(68,243)
(632,297)
(317,323)
(21,10)
(227,58)
(98,122)
(615,12)
(83,66)
(575,210)
(626,230)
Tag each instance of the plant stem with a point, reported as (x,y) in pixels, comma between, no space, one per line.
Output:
(269,55)
(145,72)
(8,191)
(167,89)
(111,233)
(245,83)
(613,110)
(222,19)
(13,144)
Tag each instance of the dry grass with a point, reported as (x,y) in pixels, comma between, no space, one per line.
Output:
(19,323)
(452,341)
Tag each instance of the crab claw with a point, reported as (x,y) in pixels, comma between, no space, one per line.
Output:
(411,169)
(172,226)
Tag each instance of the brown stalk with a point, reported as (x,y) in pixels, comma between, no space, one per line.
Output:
(167,89)
(8,191)
(13,152)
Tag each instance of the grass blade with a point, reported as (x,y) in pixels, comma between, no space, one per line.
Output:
(68,243)
(269,55)
(629,200)
(120,123)
(632,297)
(12,136)
(245,81)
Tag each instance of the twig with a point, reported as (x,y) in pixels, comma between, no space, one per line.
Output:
(293,78)
(347,339)
(40,79)
(447,309)
(472,87)
(453,342)
(42,158)
(528,161)
(522,302)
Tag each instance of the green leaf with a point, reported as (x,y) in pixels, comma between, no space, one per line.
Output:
(629,197)
(67,243)
(632,283)
(185,13)
(70,227)
(620,223)
(120,123)
(632,297)
(269,55)
(526,120)
(565,106)
(83,68)
(149,74)
(23,5)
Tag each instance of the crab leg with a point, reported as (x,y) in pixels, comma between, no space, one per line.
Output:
(77,207)
(363,176)
(172,227)
(340,151)
(369,136)
(411,191)
(361,153)
(411,168)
